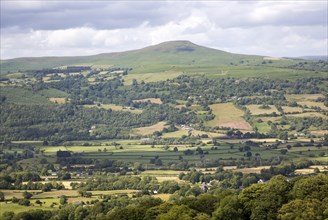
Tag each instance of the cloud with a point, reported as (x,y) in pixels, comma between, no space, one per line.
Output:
(47,28)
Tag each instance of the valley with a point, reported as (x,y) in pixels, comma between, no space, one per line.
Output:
(166,126)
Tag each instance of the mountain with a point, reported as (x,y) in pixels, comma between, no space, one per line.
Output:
(152,58)
(314,57)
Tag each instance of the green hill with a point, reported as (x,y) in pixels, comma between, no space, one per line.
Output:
(152,58)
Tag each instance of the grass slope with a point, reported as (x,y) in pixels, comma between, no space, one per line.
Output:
(154,58)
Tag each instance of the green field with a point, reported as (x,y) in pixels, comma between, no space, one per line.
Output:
(257,110)
(114,107)
(23,96)
(149,129)
(227,115)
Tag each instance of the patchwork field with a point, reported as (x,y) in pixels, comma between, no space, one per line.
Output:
(309,114)
(175,134)
(252,170)
(115,108)
(150,129)
(23,96)
(151,77)
(152,100)
(262,127)
(313,104)
(227,115)
(257,110)
(58,100)
(210,134)
(302,97)
(288,109)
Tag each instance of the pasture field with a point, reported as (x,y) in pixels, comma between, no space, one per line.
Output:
(262,127)
(252,169)
(150,129)
(309,114)
(56,194)
(164,197)
(13,207)
(257,110)
(50,93)
(319,132)
(242,71)
(311,169)
(302,97)
(227,115)
(288,109)
(23,96)
(272,119)
(152,100)
(58,100)
(210,134)
(9,194)
(176,134)
(313,104)
(160,173)
(114,108)
(134,151)
(151,77)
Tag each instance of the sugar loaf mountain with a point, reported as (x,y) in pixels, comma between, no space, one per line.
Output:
(170,131)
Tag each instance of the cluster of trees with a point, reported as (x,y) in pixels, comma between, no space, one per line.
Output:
(71,122)
(26,180)
(320,65)
(279,198)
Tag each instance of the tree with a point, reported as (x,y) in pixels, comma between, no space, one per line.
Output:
(311,188)
(8,215)
(304,209)
(178,212)
(230,208)
(80,213)
(2,196)
(38,202)
(283,151)
(63,200)
(24,202)
(27,195)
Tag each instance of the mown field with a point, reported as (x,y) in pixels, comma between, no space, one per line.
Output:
(227,115)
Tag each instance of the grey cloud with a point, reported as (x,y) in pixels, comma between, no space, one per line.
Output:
(99,15)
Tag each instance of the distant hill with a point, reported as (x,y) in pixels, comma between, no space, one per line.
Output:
(323,57)
(157,57)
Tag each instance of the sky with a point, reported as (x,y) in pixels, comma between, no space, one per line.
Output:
(74,28)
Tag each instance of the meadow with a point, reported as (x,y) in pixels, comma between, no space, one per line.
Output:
(258,110)
(114,108)
(227,115)
(144,131)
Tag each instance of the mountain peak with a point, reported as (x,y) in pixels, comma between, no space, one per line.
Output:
(175,46)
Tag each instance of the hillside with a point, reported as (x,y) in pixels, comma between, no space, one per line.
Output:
(164,55)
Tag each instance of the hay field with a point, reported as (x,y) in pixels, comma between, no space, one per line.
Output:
(309,114)
(152,100)
(175,134)
(288,109)
(151,77)
(114,108)
(227,115)
(252,169)
(302,97)
(58,100)
(210,134)
(150,129)
(256,110)
(313,104)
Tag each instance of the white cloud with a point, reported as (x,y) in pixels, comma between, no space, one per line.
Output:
(281,28)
